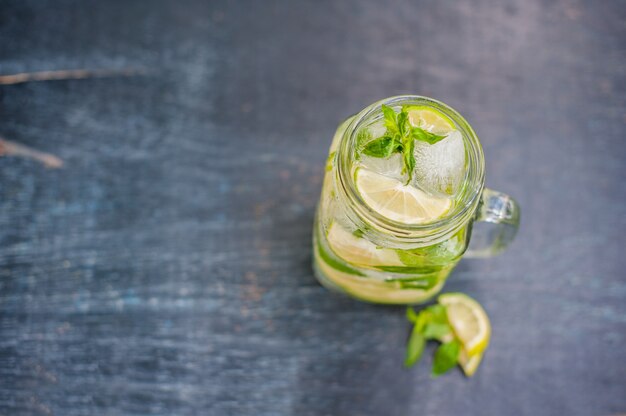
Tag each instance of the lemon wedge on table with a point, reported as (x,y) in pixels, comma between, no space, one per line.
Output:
(469,364)
(470,324)
(430,119)
(397,201)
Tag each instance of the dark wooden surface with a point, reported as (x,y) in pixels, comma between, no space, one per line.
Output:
(165,269)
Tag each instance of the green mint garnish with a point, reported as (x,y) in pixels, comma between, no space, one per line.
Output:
(423,283)
(436,331)
(411,315)
(432,324)
(383,147)
(408,156)
(362,137)
(399,138)
(390,120)
(437,314)
(446,357)
(414,348)
(426,136)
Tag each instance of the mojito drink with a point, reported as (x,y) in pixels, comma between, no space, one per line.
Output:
(388,227)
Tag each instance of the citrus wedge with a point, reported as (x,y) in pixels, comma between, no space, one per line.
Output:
(469,323)
(396,201)
(469,364)
(430,119)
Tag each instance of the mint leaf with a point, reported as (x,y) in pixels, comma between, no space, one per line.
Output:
(400,137)
(438,326)
(415,347)
(411,315)
(435,255)
(425,283)
(438,314)
(403,123)
(446,357)
(390,120)
(431,323)
(382,147)
(408,146)
(363,136)
(422,320)
(437,331)
(420,134)
(419,319)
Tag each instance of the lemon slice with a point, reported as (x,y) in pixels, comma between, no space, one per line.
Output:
(396,201)
(430,119)
(469,322)
(372,290)
(359,250)
(469,364)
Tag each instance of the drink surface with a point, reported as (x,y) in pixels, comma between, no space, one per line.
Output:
(407,165)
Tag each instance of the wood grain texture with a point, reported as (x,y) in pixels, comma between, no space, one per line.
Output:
(165,268)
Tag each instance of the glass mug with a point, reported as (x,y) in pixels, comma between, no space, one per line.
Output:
(364,254)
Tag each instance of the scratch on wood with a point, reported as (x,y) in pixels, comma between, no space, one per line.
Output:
(67,75)
(41,408)
(252,291)
(9,148)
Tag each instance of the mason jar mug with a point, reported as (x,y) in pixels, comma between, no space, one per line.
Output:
(403,188)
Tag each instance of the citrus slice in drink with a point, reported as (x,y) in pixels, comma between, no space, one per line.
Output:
(430,119)
(469,322)
(372,290)
(358,250)
(398,202)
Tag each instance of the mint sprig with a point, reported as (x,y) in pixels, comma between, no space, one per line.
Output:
(415,347)
(400,138)
(426,136)
(432,324)
(383,147)
(446,357)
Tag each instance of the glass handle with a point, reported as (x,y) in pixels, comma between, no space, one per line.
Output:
(500,214)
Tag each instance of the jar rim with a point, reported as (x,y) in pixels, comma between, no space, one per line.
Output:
(470,191)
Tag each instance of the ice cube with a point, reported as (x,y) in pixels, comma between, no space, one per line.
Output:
(377,129)
(391,166)
(440,167)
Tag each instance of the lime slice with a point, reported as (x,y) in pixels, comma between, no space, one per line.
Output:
(372,290)
(359,250)
(430,119)
(469,322)
(396,201)
(469,364)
